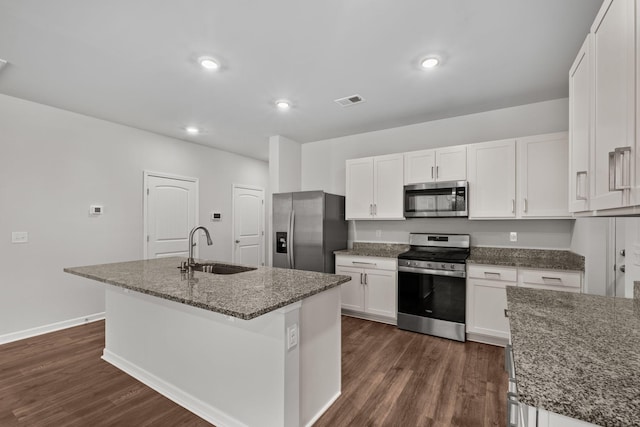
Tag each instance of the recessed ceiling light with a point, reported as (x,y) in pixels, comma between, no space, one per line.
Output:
(429,63)
(283,104)
(208,63)
(192,130)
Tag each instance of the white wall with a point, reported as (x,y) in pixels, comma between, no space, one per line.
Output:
(54,164)
(323,168)
(323,161)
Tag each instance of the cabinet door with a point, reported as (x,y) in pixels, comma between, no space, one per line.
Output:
(580,104)
(359,189)
(614,97)
(419,167)
(380,292)
(487,301)
(492,179)
(352,292)
(451,164)
(542,176)
(388,187)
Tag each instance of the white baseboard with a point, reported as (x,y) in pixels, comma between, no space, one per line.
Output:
(487,339)
(322,410)
(28,333)
(187,401)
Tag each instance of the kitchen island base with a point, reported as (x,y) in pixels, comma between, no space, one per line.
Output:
(229,371)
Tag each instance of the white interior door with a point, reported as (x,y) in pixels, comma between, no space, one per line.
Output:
(171,211)
(248,225)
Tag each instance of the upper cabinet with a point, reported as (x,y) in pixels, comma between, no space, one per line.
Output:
(442,164)
(492,179)
(374,188)
(542,176)
(602,100)
(538,164)
(580,125)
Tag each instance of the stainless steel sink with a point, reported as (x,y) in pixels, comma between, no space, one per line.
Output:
(217,268)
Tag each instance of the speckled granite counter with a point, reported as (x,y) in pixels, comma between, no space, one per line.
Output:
(243,295)
(528,258)
(577,355)
(383,250)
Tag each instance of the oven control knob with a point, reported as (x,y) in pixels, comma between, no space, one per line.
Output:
(443,265)
(453,266)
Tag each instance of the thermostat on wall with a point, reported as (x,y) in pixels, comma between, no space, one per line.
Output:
(216,216)
(96,210)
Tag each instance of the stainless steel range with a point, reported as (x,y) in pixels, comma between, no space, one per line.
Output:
(432,285)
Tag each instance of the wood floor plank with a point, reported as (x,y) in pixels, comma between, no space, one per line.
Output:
(390,377)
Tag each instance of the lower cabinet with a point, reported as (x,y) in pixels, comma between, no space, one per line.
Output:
(487,296)
(487,302)
(371,293)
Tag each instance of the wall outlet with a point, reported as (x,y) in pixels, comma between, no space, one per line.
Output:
(513,236)
(292,336)
(19,237)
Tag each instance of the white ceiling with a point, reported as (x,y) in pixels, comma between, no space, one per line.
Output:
(134,61)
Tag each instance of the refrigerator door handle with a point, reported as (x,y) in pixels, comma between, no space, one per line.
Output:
(291,245)
(289,241)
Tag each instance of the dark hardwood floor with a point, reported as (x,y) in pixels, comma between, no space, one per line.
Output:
(389,378)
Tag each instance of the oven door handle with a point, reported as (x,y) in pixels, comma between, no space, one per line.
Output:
(404,269)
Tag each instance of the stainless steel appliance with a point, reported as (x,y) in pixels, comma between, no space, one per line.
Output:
(307,227)
(435,199)
(432,285)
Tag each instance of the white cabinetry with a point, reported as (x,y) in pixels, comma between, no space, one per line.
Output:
(487,296)
(613,143)
(580,126)
(542,172)
(492,179)
(537,163)
(442,164)
(371,293)
(487,302)
(374,188)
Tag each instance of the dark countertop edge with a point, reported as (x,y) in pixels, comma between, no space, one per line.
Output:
(354,252)
(522,264)
(243,316)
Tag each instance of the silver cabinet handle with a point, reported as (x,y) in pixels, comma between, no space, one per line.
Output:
(512,401)
(437,171)
(491,274)
(375,209)
(506,313)
(363,263)
(513,205)
(432,172)
(366,279)
(619,179)
(579,195)
(556,279)
(361,282)
(525,204)
(612,171)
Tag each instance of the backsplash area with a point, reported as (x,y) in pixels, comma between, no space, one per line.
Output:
(548,234)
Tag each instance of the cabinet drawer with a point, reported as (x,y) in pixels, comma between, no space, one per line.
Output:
(553,278)
(492,272)
(367,262)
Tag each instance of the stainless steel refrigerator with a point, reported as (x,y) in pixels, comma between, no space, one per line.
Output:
(308,226)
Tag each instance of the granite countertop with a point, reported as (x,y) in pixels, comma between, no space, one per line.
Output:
(383,250)
(244,295)
(577,355)
(528,258)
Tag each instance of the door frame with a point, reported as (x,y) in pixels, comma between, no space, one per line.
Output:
(145,202)
(233,221)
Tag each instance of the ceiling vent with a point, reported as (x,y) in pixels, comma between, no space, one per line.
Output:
(350,100)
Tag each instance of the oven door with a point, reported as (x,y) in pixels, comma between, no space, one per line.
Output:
(434,296)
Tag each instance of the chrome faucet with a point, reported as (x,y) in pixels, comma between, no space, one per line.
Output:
(190,262)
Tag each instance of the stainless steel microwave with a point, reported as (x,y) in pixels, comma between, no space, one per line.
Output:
(436,199)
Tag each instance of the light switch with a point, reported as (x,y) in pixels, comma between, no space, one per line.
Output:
(513,236)
(19,237)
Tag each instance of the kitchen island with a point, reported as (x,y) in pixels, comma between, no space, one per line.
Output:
(576,356)
(260,347)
